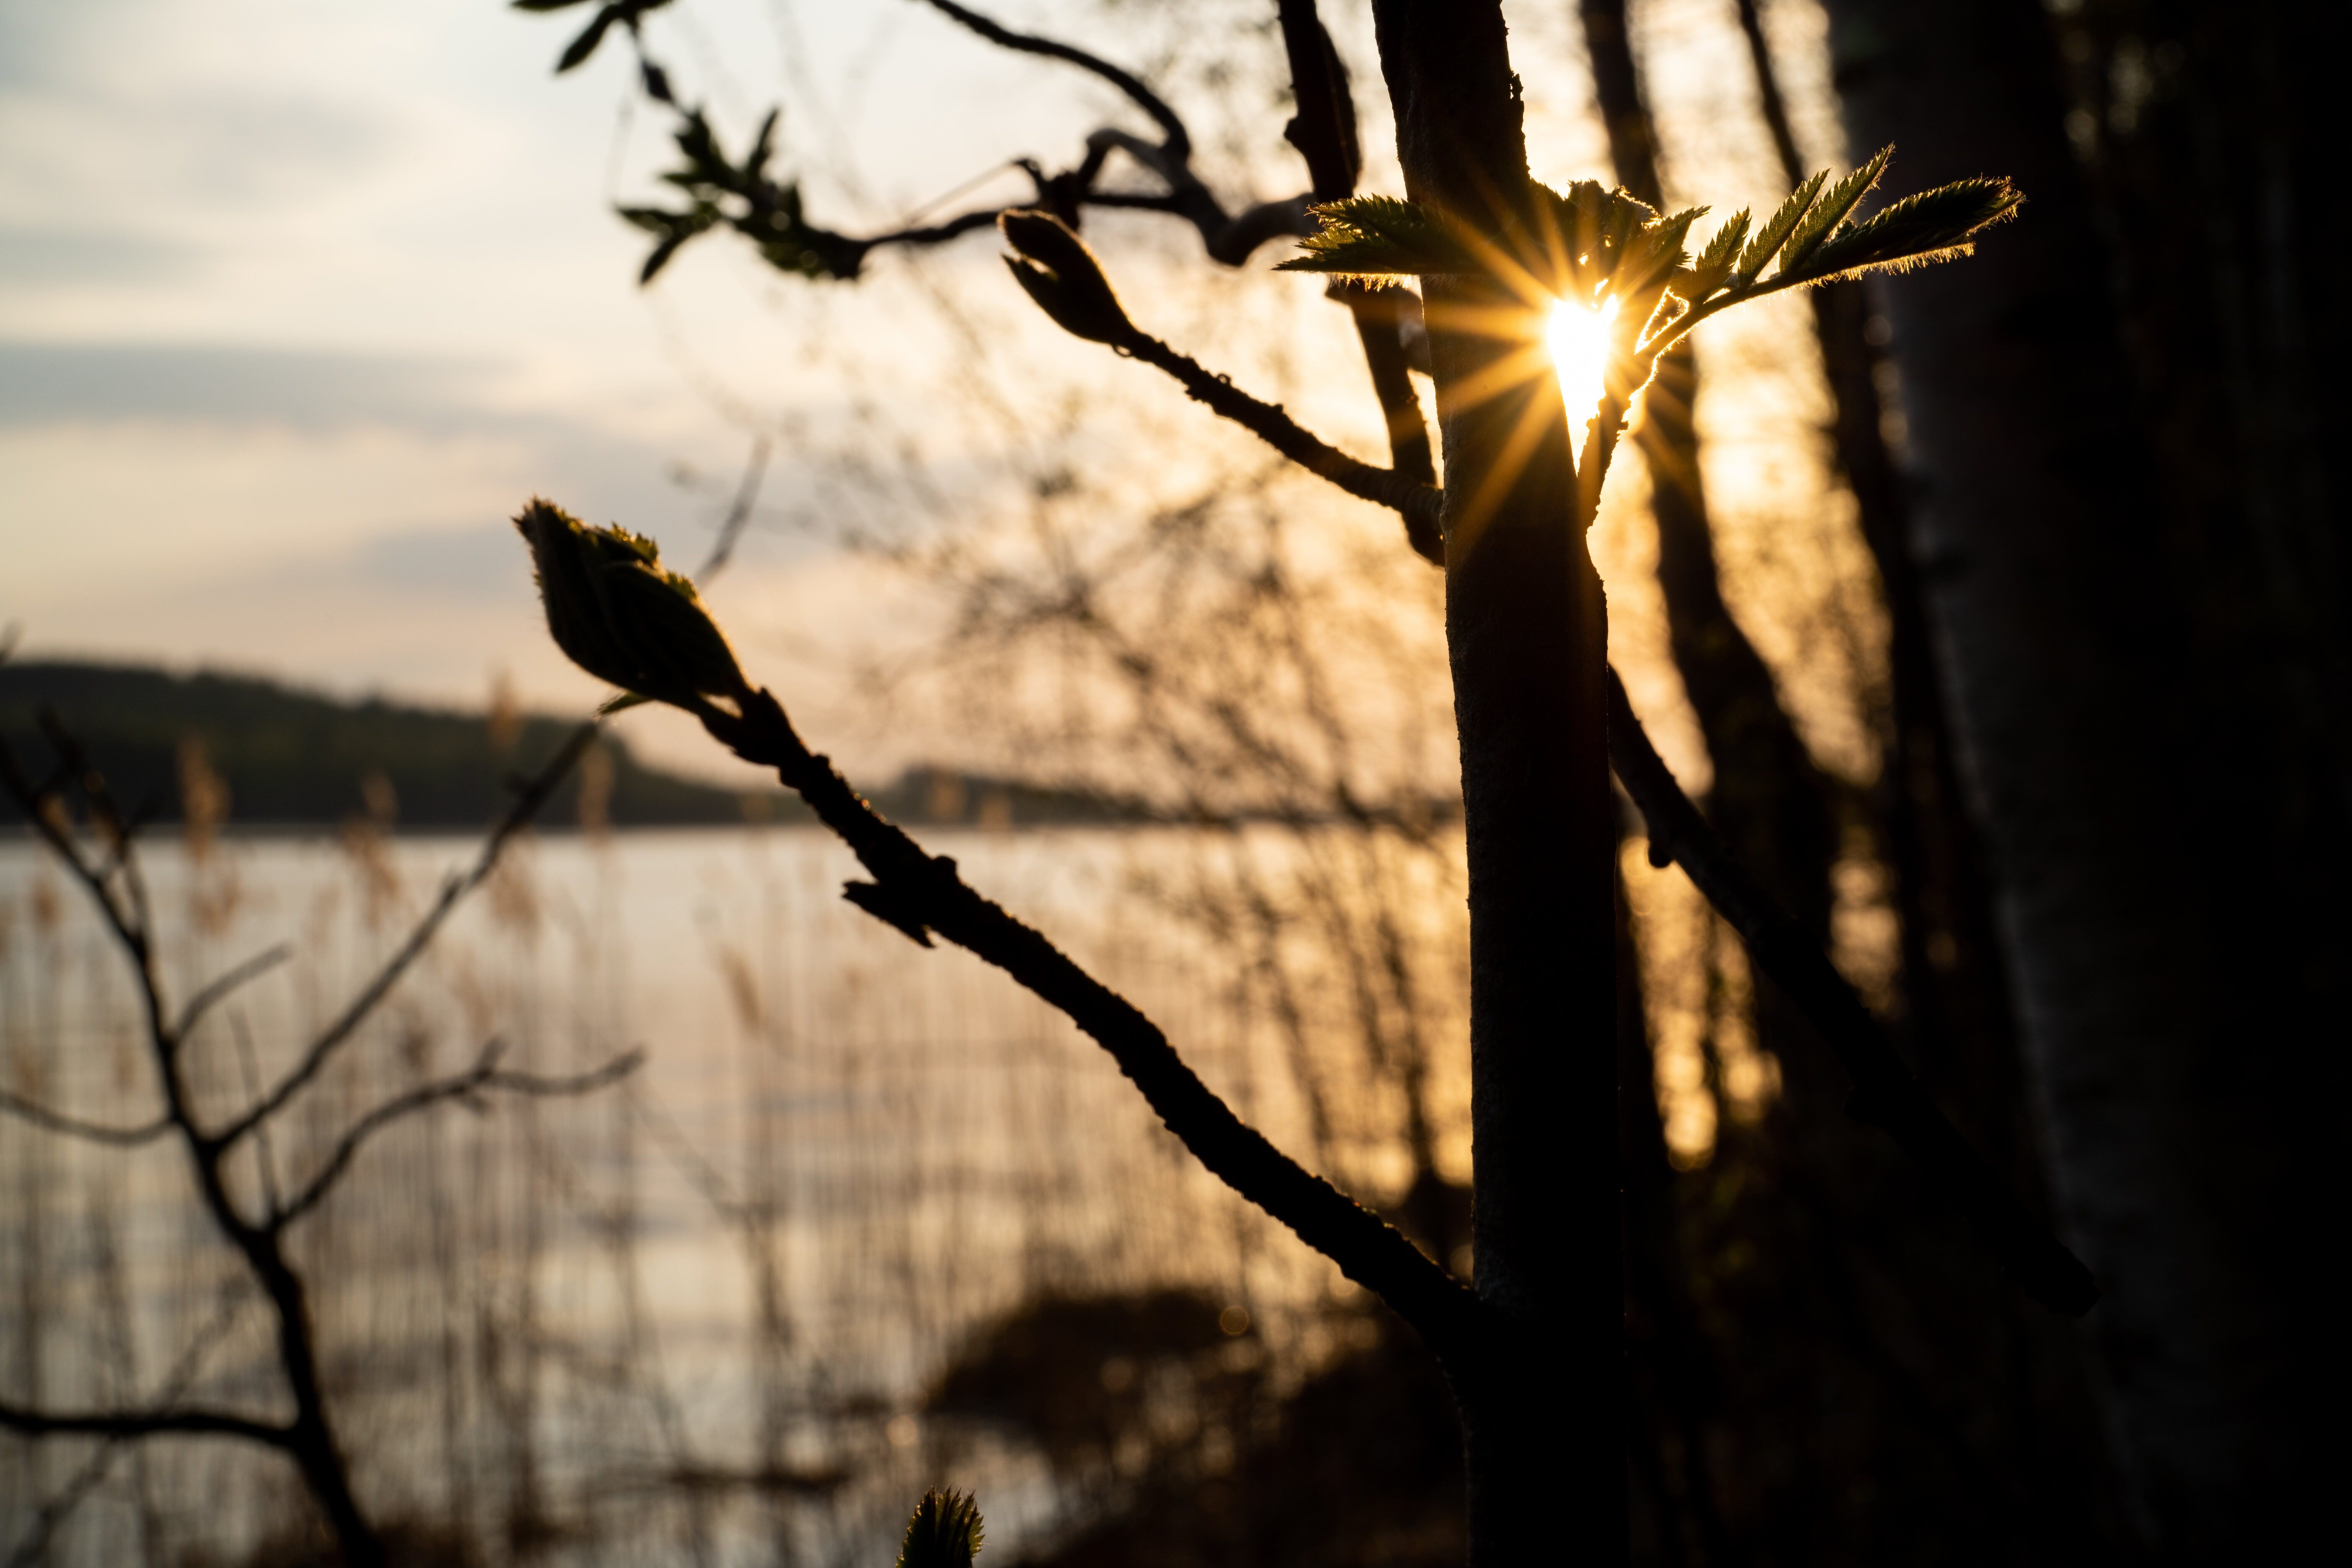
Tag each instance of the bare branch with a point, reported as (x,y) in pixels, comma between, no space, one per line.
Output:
(482,1077)
(1180,141)
(32,1547)
(527,805)
(119,1423)
(739,511)
(48,1120)
(1419,503)
(1885,1093)
(220,988)
(927,893)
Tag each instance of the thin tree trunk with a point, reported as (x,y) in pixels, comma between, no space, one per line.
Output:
(2171,1052)
(1527,630)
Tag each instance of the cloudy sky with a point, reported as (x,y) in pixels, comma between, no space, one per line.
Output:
(300,300)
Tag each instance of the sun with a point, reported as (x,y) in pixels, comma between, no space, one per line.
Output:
(1578,341)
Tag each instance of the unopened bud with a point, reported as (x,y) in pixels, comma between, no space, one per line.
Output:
(1063,276)
(618,616)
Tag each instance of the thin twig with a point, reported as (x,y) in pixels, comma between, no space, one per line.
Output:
(1180,141)
(1420,503)
(1885,1093)
(32,1548)
(739,511)
(919,894)
(218,989)
(48,1120)
(534,795)
(482,1077)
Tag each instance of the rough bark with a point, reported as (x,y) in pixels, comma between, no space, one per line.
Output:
(1526,632)
(2124,742)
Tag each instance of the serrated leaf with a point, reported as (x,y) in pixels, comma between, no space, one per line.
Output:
(1720,251)
(1713,263)
(1831,210)
(1379,236)
(1776,231)
(1933,225)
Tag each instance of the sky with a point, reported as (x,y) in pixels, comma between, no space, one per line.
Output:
(298,303)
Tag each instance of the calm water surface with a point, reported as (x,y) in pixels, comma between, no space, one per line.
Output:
(843,1154)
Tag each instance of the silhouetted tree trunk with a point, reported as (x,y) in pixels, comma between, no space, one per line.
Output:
(1527,634)
(2161,793)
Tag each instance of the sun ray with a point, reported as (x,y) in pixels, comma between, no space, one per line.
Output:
(1538,416)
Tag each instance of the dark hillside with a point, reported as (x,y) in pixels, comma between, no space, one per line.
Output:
(294,757)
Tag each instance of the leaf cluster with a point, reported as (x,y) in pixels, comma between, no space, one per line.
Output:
(1592,245)
(742,197)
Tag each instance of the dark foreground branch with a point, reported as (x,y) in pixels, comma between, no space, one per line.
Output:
(920,894)
(121,1424)
(1885,1095)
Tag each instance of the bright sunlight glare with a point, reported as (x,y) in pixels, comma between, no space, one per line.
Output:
(1578,341)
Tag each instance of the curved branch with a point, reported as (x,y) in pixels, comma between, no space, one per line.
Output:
(1180,141)
(1419,503)
(526,806)
(1885,1094)
(48,1120)
(218,990)
(920,894)
(118,1423)
(482,1077)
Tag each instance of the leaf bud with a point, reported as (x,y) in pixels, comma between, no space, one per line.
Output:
(618,616)
(1062,275)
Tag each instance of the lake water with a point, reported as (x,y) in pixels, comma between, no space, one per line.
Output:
(694,1318)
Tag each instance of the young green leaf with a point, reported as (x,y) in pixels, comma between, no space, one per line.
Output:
(1713,263)
(1933,225)
(1379,236)
(944,1533)
(1831,210)
(1775,233)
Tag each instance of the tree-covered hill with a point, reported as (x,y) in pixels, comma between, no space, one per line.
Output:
(293,758)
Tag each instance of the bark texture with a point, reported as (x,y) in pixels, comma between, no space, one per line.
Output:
(2148,758)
